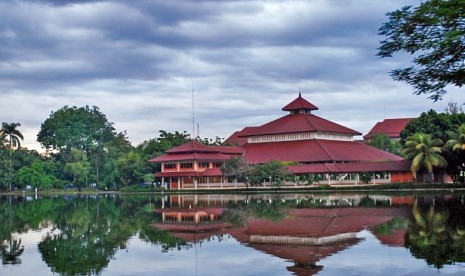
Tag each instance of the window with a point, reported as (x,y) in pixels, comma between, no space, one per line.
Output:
(217,164)
(187,165)
(169,166)
(203,165)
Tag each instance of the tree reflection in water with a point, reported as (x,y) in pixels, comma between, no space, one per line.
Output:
(436,233)
(86,232)
(11,251)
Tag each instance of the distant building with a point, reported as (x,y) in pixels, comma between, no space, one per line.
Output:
(389,127)
(314,144)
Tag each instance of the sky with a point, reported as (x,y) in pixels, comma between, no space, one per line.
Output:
(141,61)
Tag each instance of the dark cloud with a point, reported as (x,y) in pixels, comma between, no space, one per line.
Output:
(139,61)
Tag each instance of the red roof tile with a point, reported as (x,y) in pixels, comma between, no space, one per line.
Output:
(237,138)
(192,146)
(389,127)
(315,150)
(294,123)
(190,157)
(299,104)
(195,151)
(388,166)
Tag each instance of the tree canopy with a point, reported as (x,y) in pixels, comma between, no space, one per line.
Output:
(433,33)
(72,127)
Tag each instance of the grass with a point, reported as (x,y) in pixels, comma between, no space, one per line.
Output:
(397,187)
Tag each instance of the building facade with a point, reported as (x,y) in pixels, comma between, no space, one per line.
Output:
(195,166)
(313,145)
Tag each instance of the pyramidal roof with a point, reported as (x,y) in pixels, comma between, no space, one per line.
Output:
(192,146)
(299,104)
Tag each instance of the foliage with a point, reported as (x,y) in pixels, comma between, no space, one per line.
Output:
(383,142)
(310,178)
(272,171)
(424,152)
(433,33)
(435,124)
(34,175)
(78,167)
(237,168)
(75,128)
(443,126)
(455,154)
(12,134)
(132,168)
(14,137)
(365,177)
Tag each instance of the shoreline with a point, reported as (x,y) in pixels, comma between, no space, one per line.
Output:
(380,188)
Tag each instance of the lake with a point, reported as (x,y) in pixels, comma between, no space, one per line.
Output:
(243,234)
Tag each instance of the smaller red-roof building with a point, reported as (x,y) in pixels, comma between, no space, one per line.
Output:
(194,165)
(389,127)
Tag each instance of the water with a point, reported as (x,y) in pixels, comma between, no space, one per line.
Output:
(290,234)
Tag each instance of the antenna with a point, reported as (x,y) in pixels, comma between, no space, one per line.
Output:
(193,113)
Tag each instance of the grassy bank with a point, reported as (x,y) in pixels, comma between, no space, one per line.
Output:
(137,189)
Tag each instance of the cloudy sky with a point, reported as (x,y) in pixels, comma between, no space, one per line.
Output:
(140,60)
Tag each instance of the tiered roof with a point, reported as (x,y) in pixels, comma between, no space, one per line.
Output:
(316,150)
(389,127)
(297,123)
(299,104)
(196,151)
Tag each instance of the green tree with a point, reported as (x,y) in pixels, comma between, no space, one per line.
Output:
(75,128)
(85,129)
(457,141)
(132,168)
(272,171)
(3,140)
(383,142)
(34,175)
(424,152)
(456,154)
(78,167)
(236,168)
(433,33)
(14,136)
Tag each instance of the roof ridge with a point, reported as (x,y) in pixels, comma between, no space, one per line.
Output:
(324,149)
(310,121)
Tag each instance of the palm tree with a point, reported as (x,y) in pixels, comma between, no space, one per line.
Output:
(457,141)
(3,140)
(14,136)
(424,152)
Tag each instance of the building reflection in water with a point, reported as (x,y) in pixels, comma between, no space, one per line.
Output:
(302,235)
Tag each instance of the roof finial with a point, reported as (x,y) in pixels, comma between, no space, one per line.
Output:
(300,96)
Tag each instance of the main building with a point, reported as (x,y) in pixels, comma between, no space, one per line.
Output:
(313,145)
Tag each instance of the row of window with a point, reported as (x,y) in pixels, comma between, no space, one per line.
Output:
(190,165)
(299,136)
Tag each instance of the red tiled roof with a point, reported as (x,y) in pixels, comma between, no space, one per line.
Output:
(195,151)
(388,166)
(389,127)
(192,146)
(294,123)
(315,150)
(237,138)
(190,157)
(299,104)
(231,150)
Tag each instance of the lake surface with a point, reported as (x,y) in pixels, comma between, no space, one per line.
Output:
(288,234)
